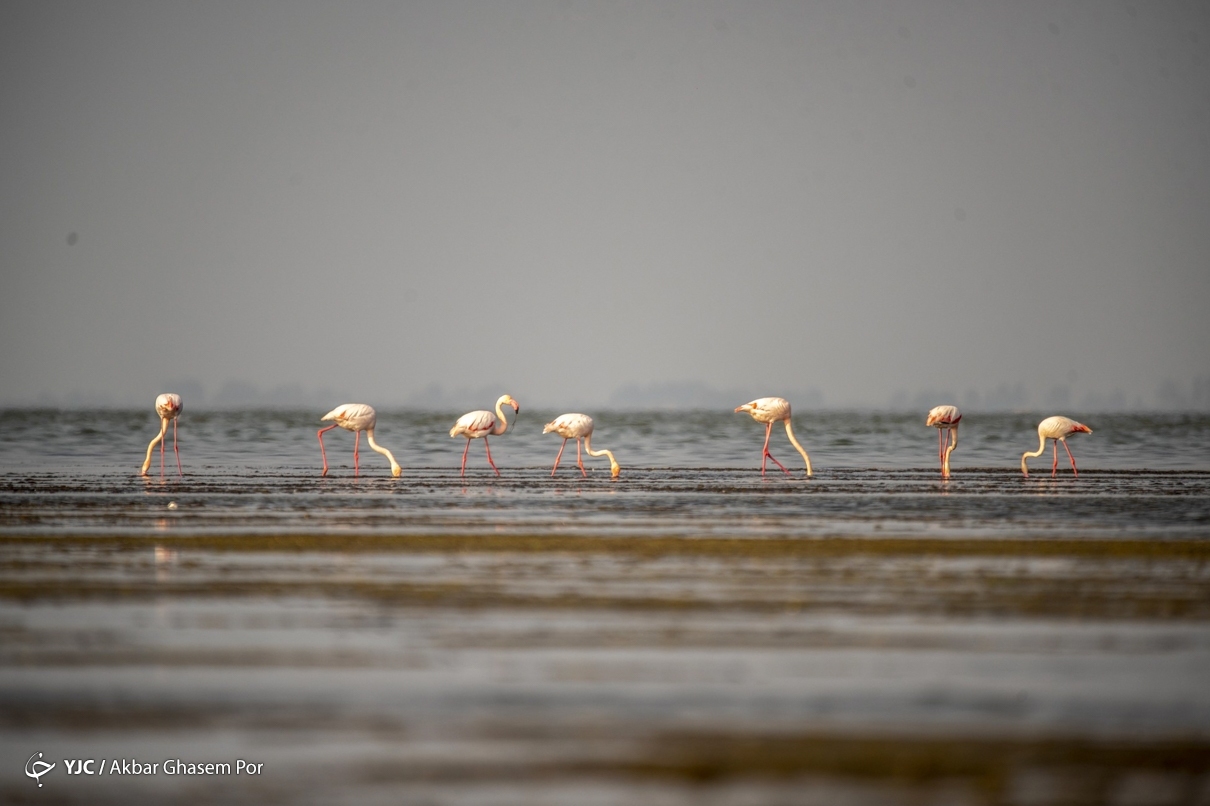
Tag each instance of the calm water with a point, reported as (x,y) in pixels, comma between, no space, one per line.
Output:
(240,441)
(683,473)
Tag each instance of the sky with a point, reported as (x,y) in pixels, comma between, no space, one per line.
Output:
(876,204)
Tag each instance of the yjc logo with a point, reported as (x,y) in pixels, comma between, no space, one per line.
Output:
(40,768)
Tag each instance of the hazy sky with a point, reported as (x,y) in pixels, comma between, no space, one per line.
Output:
(579,201)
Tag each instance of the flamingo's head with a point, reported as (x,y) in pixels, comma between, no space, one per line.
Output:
(507,400)
(747,407)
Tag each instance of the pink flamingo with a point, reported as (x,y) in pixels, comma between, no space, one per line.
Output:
(769,410)
(168,406)
(356,417)
(476,424)
(1058,429)
(945,419)
(578,427)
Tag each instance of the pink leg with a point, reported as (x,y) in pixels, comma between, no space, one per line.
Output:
(941,444)
(180,472)
(356,459)
(464,452)
(322,452)
(768,431)
(1072,458)
(489,456)
(765,450)
(580,461)
(558,458)
(162,456)
(1054,467)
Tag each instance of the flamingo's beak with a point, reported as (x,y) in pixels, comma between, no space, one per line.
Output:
(741,409)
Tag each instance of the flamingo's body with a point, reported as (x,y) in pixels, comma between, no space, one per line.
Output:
(168,406)
(945,419)
(356,417)
(482,424)
(578,427)
(1057,429)
(770,410)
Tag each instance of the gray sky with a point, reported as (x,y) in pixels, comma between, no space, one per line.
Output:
(590,202)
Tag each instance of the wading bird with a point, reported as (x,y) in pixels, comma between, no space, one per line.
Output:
(168,406)
(769,410)
(356,417)
(476,424)
(945,419)
(578,427)
(1058,429)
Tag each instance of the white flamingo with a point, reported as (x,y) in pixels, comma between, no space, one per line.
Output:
(168,406)
(477,424)
(578,427)
(945,419)
(356,417)
(769,410)
(1058,429)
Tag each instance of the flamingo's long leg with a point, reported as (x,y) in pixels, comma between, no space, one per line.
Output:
(163,431)
(489,456)
(356,459)
(768,431)
(580,461)
(558,458)
(1054,466)
(765,450)
(941,444)
(179,472)
(1072,458)
(322,452)
(464,452)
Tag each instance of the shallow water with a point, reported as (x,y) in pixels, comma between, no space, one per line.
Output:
(115,441)
(694,473)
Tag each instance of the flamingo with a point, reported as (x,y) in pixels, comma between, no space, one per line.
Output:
(945,419)
(168,406)
(476,424)
(769,410)
(356,417)
(1058,429)
(578,427)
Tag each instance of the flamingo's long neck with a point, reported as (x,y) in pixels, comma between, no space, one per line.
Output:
(790,434)
(501,423)
(155,441)
(1038,452)
(614,467)
(953,444)
(395,468)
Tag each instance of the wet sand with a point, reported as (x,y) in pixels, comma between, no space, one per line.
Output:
(568,668)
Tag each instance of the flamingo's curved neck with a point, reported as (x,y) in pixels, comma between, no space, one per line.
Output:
(1038,452)
(790,434)
(953,444)
(395,468)
(614,467)
(155,441)
(501,423)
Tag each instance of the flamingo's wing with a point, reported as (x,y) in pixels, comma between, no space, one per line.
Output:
(474,424)
(353,416)
(769,409)
(943,415)
(570,426)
